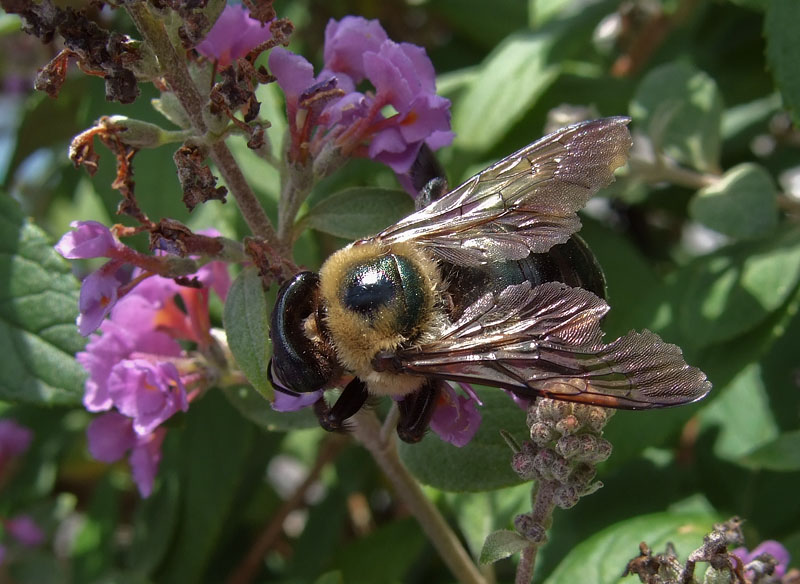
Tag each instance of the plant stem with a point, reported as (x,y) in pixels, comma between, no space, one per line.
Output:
(527,561)
(542,514)
(367,430)
(662,170)
(175,72)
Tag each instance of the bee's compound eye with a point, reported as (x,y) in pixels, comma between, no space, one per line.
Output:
(390,281)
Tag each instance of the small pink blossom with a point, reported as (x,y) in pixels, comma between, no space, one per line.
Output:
(284,402)
(233,36)
(771,547)
(145,458)
(326,112)
(89,240)
(456,419)
(15,439)
(111,435)
(149,393)
(25,530)
(99,293)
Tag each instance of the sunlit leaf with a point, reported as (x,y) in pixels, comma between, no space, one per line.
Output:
(782,454)
(680,109)
(246,321)
(516,73)
(38,307)
(602,558)
(358,212)
(742,204)
(731,291)
(501,544)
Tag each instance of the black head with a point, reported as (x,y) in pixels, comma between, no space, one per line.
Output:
(299,364)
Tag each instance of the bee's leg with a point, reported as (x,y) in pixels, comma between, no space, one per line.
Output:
(416,410)
(349,402)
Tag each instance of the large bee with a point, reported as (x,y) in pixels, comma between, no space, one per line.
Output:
(485,284)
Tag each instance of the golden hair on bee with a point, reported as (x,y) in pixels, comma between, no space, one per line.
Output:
(380,297)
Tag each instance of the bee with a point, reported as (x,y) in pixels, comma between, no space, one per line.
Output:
(488,284)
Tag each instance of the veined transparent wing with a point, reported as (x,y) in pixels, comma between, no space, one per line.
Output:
(546,341)
(525,203)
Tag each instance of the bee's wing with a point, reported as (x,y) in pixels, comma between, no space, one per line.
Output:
(525,203)
(546,341)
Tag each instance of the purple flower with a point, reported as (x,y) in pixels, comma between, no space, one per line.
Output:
(14,440)
(771,547)
(348,40)
(144,460)
(326,112)
(111,435)
(99,292)
(24,529)
(284,402)
(89,240)
(233,36)
(149,393)
(456,419)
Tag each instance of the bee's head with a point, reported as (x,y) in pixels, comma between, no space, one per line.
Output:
(302,360)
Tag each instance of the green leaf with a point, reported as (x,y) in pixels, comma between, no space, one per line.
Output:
(783,51)
(742,415)
(742,204)
(255,408)
(513,77)
(483,464)
(782,454)
(38,306)
(680,108)
(501,544)
(358,212)
(602,558)
(480,513)
(731,291)
(385,555)
(246,320)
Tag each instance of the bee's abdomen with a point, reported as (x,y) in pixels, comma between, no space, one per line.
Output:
(571,263)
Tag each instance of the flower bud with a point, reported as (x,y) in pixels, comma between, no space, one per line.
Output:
(582,475)
(523,465)
(137,133)
(541,434)
(566,496)
(543,462)
(550,410)
(568,446)
(596,418)
(528,528)
(561,469)
(568,425)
